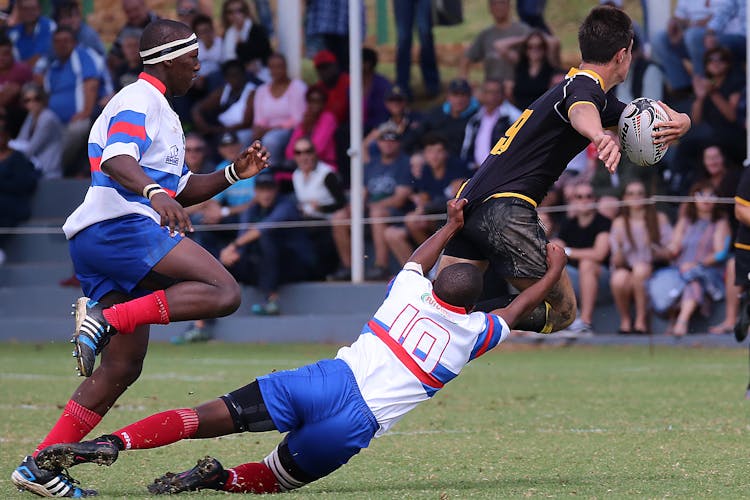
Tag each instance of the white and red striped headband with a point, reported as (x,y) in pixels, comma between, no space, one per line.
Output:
(169,50)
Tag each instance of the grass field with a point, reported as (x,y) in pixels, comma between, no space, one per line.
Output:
(613,422)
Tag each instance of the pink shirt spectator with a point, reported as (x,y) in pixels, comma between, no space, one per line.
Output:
(282,112)
(322,138)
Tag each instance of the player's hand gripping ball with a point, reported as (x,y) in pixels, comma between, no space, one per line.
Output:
(637,121)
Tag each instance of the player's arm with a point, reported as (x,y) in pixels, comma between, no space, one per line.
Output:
(528,299)
(428,252)
(584,117)
(742,212)
(201,187)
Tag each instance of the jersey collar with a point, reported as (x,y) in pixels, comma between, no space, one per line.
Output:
(451,308)
(153,81)
(588,72)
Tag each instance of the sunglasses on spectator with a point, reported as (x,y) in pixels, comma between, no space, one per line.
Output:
(535,46)
(235,11)
(585,196)
(31,98)
(194,150)
(704,194)
(717,59)
(636,192)
(308,151)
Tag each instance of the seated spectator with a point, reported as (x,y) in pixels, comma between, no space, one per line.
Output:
(41,134)
(320,193)
(450,118)
(318,189)
(535,59)
(131,66)
(375,87)
(645,78)
(245,39)
(279,106)
(268,257)
(68,13)
(400,117)
(335,83)
(137,17)
(488,125)
(13,75)
(585,237)
(482,48)
(319,125)
(700,246)
(197,154)
(187,11)
(224,208)
(685,28)
(71,78)
(388,186)
(714,116)
(726,28)
(209,53)
(638,240)
(18,180)
(440,178)
(32,36)
(723,176)
(228,108)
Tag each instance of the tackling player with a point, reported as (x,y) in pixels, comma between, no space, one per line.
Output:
(502,226)
(418,340)
(126,240)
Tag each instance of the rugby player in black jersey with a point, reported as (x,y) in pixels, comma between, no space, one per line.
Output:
(502,227)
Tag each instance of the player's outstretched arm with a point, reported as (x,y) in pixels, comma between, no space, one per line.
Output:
(201,187)
(428,252)
(586,120)
(672,129)
(528,299)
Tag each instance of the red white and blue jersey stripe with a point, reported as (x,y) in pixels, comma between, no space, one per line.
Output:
(140,123)
(415,344)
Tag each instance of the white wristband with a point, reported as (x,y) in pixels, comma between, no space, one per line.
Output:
(231,174)
(225,211)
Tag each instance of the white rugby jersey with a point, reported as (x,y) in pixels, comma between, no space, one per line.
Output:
(137,122)
(414,345)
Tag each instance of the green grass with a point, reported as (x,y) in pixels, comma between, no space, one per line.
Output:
(581,421)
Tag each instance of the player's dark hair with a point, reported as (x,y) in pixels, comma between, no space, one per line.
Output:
(459,285)
(162,31)
(605,31)
(230,65)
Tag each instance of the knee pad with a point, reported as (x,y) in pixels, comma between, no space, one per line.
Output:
(248,409)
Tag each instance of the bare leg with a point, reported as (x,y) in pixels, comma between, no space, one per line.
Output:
(342,236)
(378,236)
(589,272)
(398,243)
(731,302)
(622,291)
(561,298)
(641,274)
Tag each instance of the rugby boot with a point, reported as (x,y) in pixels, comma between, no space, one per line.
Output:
(92,333)
(208,474)
(100,451)
(47,483)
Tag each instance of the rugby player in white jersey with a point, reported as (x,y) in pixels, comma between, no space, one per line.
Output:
(127,241)
(418,340)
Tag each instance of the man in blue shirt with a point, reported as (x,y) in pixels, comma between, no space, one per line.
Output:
(265,256)
(32,36)
(71,77)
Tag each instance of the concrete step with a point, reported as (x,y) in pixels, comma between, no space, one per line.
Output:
(329,328)
(35,248)
(35,273)
(41,300)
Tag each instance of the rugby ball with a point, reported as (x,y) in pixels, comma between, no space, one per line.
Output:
(635,127)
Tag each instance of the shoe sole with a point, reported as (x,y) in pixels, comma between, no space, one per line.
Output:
(171,483)
(80,315)
(64,456)
(22,483)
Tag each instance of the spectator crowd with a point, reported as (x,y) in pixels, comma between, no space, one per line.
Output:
(56,75)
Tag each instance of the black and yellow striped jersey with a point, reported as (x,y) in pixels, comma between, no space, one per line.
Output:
(538,146)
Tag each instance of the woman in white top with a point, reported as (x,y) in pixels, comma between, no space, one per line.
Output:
(278,108)
(317,187)
(41,134)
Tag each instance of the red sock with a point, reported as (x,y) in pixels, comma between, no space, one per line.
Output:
(160,429)
(148,310)
(75,422)
(254,477)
